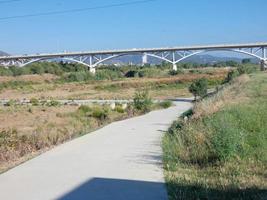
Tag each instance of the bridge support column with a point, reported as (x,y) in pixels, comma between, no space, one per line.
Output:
(174,67)
(92,70)
(92,67)
(144,59)
(263,65)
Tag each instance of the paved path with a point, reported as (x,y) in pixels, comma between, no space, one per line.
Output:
(120,161)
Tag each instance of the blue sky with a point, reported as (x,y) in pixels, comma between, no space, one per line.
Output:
(153,24)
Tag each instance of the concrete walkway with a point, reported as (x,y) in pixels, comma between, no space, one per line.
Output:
(120,161)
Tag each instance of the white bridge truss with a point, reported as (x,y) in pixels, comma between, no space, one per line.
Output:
(170,55)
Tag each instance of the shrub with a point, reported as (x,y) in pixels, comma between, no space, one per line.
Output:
(34,101)
(246,61)
(37,68)
(231,75)
(176,72)
(108,74)
(149,72)
(119,109)
(5,71)
(142,101)
(78,76)
(246,69)
(187,113)
(176,126)
(11,103)
(53,103)
(131,74)
(165,104)
(100,113)
(199,88)
(84,109)
(16,71)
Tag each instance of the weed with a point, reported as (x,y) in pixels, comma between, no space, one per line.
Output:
(165,104)
(142,101)
(119,109)
(34,101)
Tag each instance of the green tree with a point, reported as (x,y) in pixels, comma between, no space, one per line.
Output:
(199,88)
(246,61)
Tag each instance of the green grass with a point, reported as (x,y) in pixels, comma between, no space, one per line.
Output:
(17,85)
(222,155)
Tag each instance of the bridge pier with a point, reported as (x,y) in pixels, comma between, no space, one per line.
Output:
(263,65)
(174,67)
(92,70)
(144,59)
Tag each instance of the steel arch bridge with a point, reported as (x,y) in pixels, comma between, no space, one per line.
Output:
(174,55)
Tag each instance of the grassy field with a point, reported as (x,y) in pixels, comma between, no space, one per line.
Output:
(50,87)
(27,130)
(220,152)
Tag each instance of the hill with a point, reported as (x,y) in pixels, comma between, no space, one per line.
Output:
(2,53)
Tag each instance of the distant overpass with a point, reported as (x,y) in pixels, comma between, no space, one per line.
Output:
(172,55)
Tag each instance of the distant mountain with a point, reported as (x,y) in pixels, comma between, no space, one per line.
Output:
(3,53)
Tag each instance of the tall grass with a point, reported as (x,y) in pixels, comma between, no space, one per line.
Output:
(221,152)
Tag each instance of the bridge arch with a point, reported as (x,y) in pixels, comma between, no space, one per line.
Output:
(125,54)
(67,59)
(92,65)
(212,50)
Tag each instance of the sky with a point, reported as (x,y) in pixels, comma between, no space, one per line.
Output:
(159,23)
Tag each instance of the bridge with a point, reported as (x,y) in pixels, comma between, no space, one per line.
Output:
(172,55)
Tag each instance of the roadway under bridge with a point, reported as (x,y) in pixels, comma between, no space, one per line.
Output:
(172,55)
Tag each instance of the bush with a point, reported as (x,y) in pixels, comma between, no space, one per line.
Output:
(11,103)
(142,101)
(176,72)
(165,104)
(119,109)
(5,72)
(34,101)
(16,71)
(175,127)
(246,69)
(84,109)
(100,113)
(108,74)
(131,74)
(149,72)
(231,75)
(78,76)
(199,88)
(53,103)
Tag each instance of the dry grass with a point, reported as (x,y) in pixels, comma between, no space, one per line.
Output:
(29,78)
(229,95)
(121,89)
(27,131)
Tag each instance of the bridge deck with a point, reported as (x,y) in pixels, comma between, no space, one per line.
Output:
(144,50)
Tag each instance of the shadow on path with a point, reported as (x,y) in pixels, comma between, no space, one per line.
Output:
(189,100)
(116,189)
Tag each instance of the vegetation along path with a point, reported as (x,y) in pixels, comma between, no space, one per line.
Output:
(119,161)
